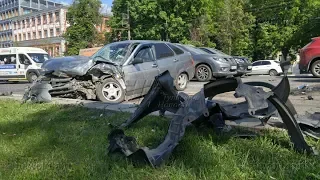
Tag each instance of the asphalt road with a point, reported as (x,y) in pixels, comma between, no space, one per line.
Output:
(193,86)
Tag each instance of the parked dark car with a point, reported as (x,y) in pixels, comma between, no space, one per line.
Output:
(310,58)
(210,65)
(243,64)
(119,71)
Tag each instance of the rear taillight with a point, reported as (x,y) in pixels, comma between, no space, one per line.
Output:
(192,61)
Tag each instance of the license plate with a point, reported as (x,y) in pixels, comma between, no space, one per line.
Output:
(233,67)
(249,67)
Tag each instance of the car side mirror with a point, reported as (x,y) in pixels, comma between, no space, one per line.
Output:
(137,60)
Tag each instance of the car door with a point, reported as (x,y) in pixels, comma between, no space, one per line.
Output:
(265,67)
(139,76)
(256,67)
(24,62)
(182,58)
(166,59)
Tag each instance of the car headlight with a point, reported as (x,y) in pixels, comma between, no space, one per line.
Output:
(219,59)
(239,60)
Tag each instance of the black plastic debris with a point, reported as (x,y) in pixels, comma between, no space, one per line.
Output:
(310,98)
(200,109)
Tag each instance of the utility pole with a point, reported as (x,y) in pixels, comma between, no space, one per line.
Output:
(129,33)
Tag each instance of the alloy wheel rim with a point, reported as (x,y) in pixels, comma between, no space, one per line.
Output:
(34,77)
(111,91)
(203,73)
(182,81)
(317,69)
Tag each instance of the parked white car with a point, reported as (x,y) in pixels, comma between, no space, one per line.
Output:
(271,67)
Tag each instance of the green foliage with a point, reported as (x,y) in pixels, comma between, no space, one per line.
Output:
(82,16)
(233,27)
(255,28)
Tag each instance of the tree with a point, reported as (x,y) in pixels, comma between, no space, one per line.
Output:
(281,25)
(233,26)
(163,19)
(82,16)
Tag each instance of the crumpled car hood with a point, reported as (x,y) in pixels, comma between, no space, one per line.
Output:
(70,65)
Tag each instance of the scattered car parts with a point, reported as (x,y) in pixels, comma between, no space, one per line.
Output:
(196,109)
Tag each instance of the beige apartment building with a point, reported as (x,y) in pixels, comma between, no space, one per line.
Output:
(36,23)
(42,29)
(33,23)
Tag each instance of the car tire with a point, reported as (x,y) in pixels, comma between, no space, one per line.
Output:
(203,73)
(181,82)
(273,72)
(315,68)
(31,77)
(110,91)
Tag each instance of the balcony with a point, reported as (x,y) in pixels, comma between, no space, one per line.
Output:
(6,31)
(5,8)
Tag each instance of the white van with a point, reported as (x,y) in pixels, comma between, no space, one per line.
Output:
(21,63)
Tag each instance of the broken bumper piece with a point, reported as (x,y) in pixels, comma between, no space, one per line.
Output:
(38,92)
(196,110)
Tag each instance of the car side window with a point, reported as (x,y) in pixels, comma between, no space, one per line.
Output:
(206,50)
(22,58)
(256,64)
(176,49)
(8,59)
(265,63)
(162,51)
(145,54)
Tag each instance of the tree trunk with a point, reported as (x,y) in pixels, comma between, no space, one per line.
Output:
(285,53)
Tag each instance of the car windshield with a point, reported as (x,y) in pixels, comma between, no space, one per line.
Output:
(114,52)
(194,50)
(38,57)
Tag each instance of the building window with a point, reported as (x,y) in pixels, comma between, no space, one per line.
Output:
(18,24)
(39,20)
(14,26)
(23,24)
(24,37)
(16,38)
(57,16)
(29,36)
(33,22)
(51,33)
(28,23)
(58,32)
(45,33)
(20,38)
(44,17)
(40,34)
(34,35)
(51,18)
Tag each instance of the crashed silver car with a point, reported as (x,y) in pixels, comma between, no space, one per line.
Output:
(118,71)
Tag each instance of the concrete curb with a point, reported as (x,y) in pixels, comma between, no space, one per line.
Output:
(121,107)
(131,107)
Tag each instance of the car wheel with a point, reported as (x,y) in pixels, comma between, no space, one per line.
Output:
(315,68)
(110,91)
(273,72)
(203,73)
(181,82)
(31,77)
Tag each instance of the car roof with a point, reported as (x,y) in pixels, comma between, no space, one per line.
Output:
(140,41)
(266,60)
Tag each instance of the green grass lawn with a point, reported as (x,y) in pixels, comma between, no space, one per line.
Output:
(46,141)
